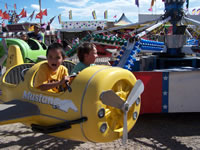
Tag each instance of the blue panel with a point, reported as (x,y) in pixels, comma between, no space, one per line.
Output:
(136,66)
(165,92)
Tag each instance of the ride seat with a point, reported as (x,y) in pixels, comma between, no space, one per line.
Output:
(14,75)
(69,65)
(33,44)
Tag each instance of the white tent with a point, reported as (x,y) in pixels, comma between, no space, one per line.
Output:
(123,20)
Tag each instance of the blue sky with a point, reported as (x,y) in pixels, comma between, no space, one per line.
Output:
(82,9)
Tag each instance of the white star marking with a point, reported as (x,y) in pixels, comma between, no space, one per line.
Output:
(165,93)
(164,106)
(165,78)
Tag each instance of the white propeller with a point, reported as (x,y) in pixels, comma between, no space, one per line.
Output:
(111,99)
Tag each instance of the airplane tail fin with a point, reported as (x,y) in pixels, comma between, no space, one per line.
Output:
(14,56)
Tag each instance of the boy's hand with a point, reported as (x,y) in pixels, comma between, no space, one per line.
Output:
(64,79)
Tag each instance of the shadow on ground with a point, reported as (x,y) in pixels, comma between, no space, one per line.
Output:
(164,129)
(26,139)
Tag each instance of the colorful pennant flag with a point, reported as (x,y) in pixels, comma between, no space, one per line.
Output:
(106,14)
(39,15)
(22,12)
(150,9)
(31,16)
(1,14)
(6,6)
(198,11)
(137,3)
(51,20)
(152,2)
(59,19)
(94,14)
(70,15)
(44,12)
(5,16)
(193,11)
(17,18)
(187,4)
(15,6)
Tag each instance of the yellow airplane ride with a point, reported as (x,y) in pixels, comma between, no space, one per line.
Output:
(101,105)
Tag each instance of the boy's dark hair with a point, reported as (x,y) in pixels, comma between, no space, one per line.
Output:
(56,46)
(99,28)
(84,49)
(22,33)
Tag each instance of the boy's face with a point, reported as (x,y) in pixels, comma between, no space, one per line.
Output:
(91,57)
(36,29)
(24,37)
(55,59)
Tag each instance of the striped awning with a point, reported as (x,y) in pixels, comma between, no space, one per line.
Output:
(17,34)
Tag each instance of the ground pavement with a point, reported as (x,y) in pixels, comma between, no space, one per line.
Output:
(166,131)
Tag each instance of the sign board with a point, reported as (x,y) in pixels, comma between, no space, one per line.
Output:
(83,25)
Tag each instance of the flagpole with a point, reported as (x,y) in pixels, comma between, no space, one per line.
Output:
(138,11)
(40,11)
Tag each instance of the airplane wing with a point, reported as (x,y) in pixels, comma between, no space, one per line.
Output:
(17,111)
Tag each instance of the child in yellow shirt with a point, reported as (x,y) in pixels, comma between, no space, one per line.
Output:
(52,75)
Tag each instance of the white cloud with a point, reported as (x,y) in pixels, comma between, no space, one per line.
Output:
(82,9)
(114,7)
(77,3)
(35,6)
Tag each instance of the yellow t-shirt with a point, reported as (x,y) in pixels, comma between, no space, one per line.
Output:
(45,75)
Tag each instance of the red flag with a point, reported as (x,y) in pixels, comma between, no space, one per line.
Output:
(115,16)
(39,15)
(22,12)
(150,9)
(23,15)
(44,12)
(1,14)
(6,6)
(15,6)
(5,16)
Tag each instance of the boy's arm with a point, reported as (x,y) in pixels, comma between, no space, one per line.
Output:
(41,80)
(48,86)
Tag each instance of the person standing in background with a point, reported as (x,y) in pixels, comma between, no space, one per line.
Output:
(43,29)
(36,33)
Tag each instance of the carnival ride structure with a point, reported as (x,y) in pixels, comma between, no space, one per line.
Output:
(168,69)
(86,112)
(170,75)
(30,51)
